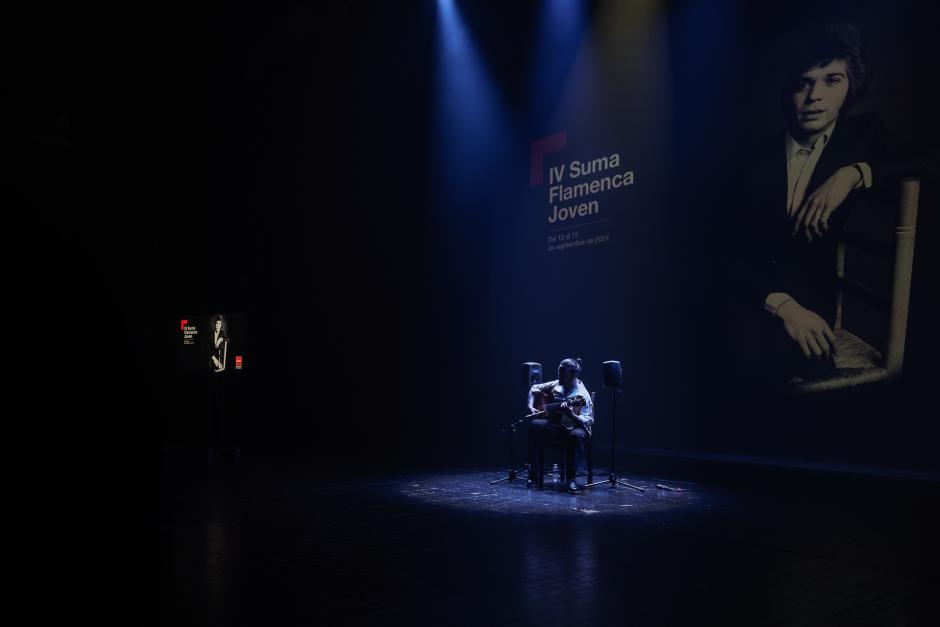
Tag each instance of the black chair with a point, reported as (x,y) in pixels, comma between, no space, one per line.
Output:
(588,456)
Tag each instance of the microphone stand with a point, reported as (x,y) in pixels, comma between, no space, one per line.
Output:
(612,479)
(511,473)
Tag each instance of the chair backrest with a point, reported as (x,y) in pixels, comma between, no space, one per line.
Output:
(875,275)
(594,407)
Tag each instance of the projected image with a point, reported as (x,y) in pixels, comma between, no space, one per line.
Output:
(218,346)
(213,344)
(813,190)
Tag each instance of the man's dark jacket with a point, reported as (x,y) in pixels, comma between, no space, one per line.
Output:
(774,260)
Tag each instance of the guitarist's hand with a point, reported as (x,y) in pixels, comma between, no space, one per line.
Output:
(532,410)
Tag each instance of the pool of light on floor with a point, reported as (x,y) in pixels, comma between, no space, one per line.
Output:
(472,490)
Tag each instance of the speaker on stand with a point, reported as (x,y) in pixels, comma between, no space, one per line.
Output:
(613,378)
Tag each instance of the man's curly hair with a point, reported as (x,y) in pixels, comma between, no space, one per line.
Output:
(819,46)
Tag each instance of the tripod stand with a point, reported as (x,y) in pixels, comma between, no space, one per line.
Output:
(531,374)
(511,473)
(612,479)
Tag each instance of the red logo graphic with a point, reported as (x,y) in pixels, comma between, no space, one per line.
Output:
(183,324)
(537,152)
(238,362)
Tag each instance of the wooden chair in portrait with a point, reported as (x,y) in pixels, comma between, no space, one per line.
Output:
(874,265)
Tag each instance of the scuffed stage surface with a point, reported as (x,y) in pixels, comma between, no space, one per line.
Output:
(277,543)
(472,491)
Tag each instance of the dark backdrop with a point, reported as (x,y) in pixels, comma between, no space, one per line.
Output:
(282,162)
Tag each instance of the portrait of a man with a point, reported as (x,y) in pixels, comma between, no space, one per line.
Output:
(801,188)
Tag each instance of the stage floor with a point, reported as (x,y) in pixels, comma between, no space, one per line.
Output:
(277,544)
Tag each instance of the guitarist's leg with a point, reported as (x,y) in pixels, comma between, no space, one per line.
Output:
(575,452)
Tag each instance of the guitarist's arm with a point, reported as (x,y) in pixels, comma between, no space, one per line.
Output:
(536,398)
(585,414)
(578,413)
(533,398)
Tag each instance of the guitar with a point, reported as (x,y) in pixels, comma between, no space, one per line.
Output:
(554,412)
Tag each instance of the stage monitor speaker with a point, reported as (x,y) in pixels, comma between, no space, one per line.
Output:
(613,375)
(531,373)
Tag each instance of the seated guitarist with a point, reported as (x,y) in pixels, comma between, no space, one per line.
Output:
(568,425)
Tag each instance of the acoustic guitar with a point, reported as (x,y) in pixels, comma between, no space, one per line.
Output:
(549,406)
